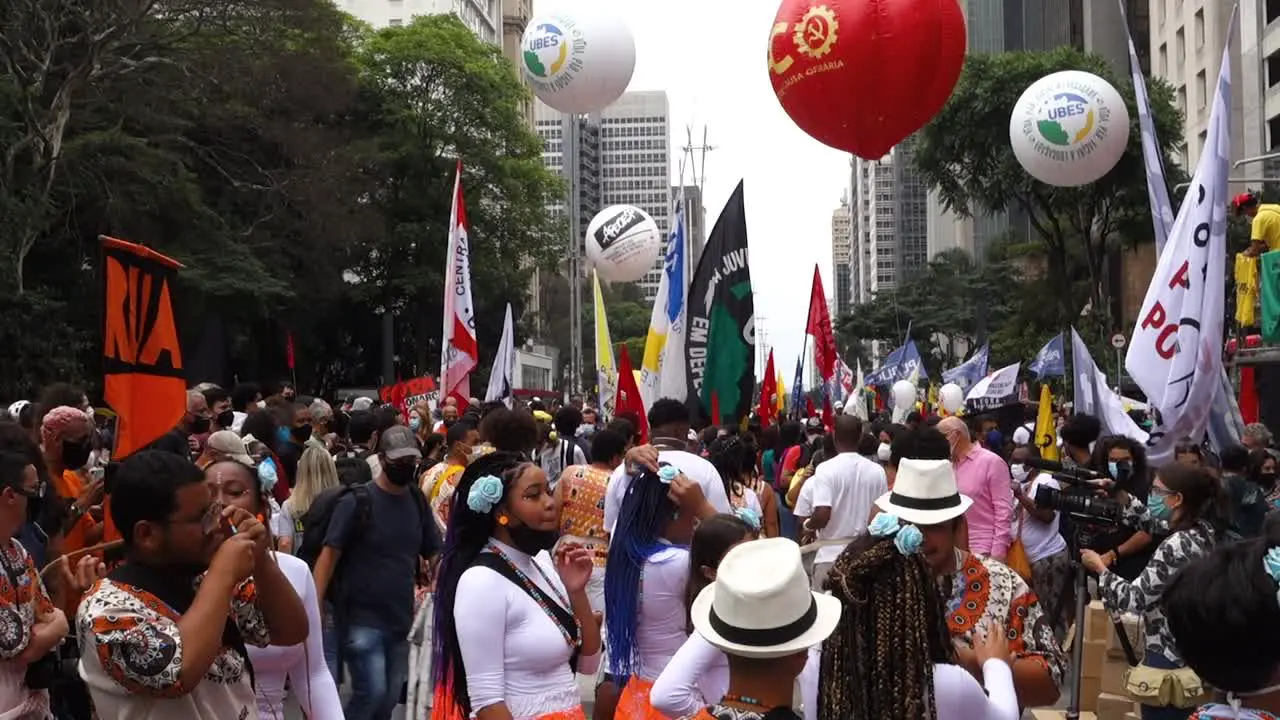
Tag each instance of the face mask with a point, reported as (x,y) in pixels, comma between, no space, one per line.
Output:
(1018,471)
(282,434)
(1119,470)
(200,425)
(75,454)
(415,423)
(1158,507)
(262,404)
(398,474)
(883,453)
(226,418)
(530,541)
(302,433)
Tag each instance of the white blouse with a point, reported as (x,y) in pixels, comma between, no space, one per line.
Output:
(513,651)
(303,665)
(956,694)
(661,625)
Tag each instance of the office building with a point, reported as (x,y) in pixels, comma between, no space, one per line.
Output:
(1260,87)
(695,217)
(841,250)
(1187,38)
(484,17)
(635,163)
(515,17)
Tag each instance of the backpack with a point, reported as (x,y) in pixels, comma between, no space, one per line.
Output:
(353,468)
(315,523)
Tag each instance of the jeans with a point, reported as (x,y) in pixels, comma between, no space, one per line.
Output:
(379,665)
(332,647)
(1152,712)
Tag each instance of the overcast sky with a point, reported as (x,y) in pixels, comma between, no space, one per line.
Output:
(710,57)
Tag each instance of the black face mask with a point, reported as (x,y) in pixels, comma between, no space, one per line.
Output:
(398,474)
(75,455)
(302,433)
(226,418)
(530,541)
(200,425)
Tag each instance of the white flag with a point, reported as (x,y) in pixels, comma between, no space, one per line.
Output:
(458,350)
(1094,397)
(1175,355)
(996,386)
(504,364)
(662,371)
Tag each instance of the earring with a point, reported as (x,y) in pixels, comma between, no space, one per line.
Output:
(502,520)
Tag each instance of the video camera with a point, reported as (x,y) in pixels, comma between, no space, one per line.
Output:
(1079,497)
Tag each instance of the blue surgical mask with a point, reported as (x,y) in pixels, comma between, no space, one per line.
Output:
(1158,507)
(415,423)
(1113,469)
(283,434)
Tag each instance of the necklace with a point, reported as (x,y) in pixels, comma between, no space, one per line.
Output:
(743,700)
(536,593)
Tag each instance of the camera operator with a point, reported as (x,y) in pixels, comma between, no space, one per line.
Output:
(1078,434)
(1189,505)
(1124,550)
(32,626)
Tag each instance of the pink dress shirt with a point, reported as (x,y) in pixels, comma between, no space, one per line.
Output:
(984,477)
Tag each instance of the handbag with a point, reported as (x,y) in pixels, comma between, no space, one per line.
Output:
(1017,558)
(1158,687)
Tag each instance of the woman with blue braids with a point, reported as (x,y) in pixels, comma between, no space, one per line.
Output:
(512,625)
(645,579)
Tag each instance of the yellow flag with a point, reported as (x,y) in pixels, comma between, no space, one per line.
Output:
(1046,432)
(606,369)
(782,397)
(932,397)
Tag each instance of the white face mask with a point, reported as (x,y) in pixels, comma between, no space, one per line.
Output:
(883,453)
(1018,471)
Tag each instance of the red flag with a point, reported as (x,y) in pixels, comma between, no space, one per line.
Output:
(628,399)
(828,419)
(824,341)
(715,408)
(458,350)
(288,349)
(768,394)
(809,410)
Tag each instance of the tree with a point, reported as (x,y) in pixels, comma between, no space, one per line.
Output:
(964,153)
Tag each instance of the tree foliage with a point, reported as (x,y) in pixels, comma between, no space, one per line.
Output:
(300,166)
(965,154)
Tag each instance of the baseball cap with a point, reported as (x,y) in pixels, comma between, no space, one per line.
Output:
(1243,200)
(398,442)
(229,444)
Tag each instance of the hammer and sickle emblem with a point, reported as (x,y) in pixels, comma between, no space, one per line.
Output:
(779,66)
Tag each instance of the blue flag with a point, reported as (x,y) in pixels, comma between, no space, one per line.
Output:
(1049,361)
(797,388)
(900,365)
(970,371)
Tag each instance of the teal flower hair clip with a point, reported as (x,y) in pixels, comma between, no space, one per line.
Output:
(884,525)
(667,473)
(749,516)
(906,537)
(908,540)
(484,494)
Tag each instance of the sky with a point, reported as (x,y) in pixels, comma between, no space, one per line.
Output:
(710,58)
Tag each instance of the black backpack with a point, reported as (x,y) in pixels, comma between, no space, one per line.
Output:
(315,523)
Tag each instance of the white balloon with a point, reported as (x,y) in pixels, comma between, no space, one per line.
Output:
(1069,128)
(623,243)
(578,60)
(951,397)
(904,394)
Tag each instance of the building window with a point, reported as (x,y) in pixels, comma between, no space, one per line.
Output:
(1273,132)
(1199,28)
(1163,67)
(1273,11)
(1182,100)
(1273,69)
(395,22)
(1204,140)
(1180,46)
(1160,11)
(1200,90)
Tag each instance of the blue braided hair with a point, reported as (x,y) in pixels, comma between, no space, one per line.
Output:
(645,513)
(468,533)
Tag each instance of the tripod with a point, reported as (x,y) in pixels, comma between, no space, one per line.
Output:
(1080,583)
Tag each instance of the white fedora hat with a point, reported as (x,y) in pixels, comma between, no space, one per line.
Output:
(760,605)
(925,493)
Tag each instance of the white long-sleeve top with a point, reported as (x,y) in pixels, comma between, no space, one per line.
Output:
(303,665)
(956,694)
(661,624)
(696,677)
(513,651)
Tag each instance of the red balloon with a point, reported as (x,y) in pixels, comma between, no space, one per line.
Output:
(862,75)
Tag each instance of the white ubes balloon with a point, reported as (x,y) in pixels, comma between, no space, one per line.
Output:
(578,60)
(623,243)
(1069,128)
(904,394)
(951,397)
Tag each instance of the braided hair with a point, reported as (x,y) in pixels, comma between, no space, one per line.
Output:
(733,460)
(645,513)
(879,661)
(468,533)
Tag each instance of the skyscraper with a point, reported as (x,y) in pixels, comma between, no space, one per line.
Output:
(696,218)
(635,162)
(1260,75)
(841,250)
(484,17)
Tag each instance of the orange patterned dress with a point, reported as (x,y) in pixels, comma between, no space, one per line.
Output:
(582,490)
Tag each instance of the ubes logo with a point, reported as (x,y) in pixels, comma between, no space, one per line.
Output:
(1067,122)
(553,53)
(1066,119)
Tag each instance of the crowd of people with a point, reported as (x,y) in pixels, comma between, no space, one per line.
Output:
(480,560)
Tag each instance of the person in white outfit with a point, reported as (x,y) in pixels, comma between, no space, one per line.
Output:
(278,670)
(892,657)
